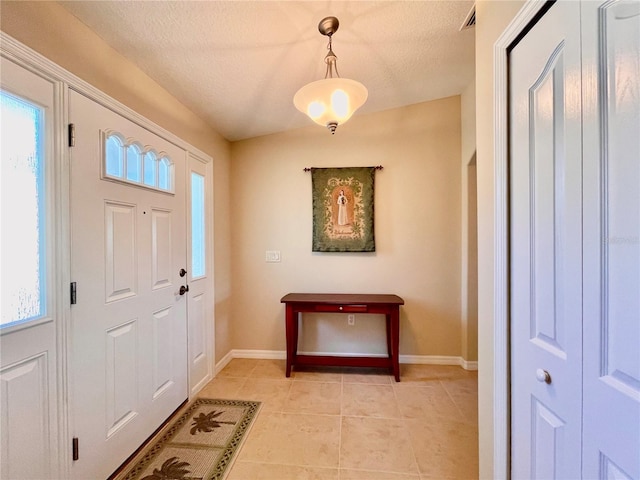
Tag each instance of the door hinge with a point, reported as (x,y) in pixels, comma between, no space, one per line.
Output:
(72,135)
(72,293)
(74,448)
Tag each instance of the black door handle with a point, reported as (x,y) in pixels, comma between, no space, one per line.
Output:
(184,289)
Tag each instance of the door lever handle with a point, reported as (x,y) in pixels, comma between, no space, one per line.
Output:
(184,289)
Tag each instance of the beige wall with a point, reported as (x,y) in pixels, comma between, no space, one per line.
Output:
(417,215)
(492,19)
(49,29)
(468,121)
(469,294)
(470,276)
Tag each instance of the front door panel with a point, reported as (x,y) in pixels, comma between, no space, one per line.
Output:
(129,329)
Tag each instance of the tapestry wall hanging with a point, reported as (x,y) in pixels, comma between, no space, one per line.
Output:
(343,209)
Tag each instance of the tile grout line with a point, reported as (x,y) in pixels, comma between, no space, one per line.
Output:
(463,415)
(286,399)
(286,464)
(405,423)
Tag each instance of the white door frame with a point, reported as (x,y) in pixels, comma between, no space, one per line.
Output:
(501,399)
(32,60)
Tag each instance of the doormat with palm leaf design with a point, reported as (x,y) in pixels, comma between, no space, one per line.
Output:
(200,444)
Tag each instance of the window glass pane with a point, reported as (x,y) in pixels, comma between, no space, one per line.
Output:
(22,225)
(134,164)
(114,157)
(164,174)
(197,226)
(127,162)
(150,169)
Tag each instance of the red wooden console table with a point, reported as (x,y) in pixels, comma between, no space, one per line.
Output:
(389,305)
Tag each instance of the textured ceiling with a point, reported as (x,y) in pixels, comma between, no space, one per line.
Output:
(237,64)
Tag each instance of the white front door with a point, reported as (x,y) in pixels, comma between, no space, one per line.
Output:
(611,53)
(29,306)
(129,328)
(545,242)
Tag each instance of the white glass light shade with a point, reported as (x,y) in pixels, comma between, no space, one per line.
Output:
(330,101)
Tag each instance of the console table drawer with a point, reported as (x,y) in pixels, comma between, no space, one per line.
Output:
(341,308)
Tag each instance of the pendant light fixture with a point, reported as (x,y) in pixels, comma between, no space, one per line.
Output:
(332,101)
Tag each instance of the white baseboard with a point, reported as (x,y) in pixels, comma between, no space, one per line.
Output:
(469,364)
(439,360)
(257,354)
(224,361)
(262,354)
(282,355)
(200,385)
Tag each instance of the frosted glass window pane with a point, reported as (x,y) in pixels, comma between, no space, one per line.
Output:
(164,174)
(198,249)
(134,164)
(150,169)
(114,157)
(22,252)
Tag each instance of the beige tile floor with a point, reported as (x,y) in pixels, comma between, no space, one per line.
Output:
(354,424)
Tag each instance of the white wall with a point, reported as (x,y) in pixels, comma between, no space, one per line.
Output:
(417,228)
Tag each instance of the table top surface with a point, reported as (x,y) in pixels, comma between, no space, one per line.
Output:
(343,298)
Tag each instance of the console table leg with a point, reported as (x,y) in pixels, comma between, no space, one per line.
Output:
(290,326)
(395,343)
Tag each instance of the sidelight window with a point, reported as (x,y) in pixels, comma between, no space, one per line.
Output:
(22,204)
(198,247)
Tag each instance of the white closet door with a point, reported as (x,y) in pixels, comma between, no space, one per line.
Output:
(545,243)
(611,42)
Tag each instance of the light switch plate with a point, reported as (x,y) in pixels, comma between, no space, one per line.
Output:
(273,256)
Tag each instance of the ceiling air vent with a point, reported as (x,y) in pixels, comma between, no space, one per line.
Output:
(470,20)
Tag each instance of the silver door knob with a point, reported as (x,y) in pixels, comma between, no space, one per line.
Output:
(543,376)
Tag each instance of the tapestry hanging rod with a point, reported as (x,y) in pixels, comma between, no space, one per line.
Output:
(308,169)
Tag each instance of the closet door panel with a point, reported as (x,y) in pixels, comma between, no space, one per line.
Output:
(611,42)
(545,253)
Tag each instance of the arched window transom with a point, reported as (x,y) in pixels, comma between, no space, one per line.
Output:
(127,161)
